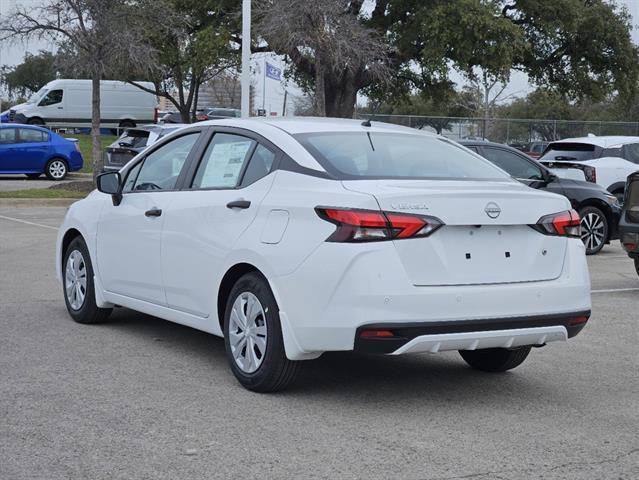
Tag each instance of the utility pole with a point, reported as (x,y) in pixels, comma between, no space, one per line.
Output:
(245,79)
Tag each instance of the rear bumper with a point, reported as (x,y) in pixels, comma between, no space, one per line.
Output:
(471,334)
(336,292)
(629,234)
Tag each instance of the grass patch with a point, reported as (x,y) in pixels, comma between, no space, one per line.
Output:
(84,142)
(43,193)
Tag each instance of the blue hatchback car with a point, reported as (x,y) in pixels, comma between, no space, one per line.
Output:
(35,150)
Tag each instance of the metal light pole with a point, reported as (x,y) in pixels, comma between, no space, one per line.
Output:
(245,79)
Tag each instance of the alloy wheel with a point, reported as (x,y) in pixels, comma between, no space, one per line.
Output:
(593,231)
(75,280)
(248,332)
(57,169)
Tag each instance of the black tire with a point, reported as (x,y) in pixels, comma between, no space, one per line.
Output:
(276,372)
(55,163)
(590,236)
(35,121)
(619,194)
(88,312)
(637,265)
(33,176)
(495,359)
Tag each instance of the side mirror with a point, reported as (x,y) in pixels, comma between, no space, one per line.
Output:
(111,184)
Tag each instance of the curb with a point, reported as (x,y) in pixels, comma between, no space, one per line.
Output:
(37,202)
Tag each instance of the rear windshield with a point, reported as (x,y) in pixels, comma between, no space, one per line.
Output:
(357,155)
(569,151)
(133,138)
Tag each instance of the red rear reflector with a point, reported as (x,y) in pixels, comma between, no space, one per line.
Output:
(578,320)
(376,333)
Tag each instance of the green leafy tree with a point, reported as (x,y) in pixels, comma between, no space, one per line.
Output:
(29,76)
(580,48)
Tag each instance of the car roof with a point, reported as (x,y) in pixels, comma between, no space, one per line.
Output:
(295,125)
(604,141)
(482,143)
(24,125)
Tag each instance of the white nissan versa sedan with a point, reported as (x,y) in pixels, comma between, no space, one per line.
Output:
(294,237)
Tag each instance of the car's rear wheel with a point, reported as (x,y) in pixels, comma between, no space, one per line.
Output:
(56,169)
(78,286)
(495,359)
(33,176)
(253,337)
(594,229)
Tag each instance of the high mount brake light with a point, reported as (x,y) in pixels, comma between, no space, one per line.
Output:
(355,225)
(563,224)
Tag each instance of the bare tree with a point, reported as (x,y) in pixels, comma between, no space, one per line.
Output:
(484,93)
(324,39)
(94,32)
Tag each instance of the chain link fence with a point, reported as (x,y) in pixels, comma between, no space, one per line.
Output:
(509,130)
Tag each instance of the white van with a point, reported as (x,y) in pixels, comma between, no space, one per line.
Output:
(67,103)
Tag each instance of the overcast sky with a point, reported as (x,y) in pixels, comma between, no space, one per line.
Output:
(14,53)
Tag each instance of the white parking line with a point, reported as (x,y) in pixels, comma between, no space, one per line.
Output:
(28,223)
(612,290)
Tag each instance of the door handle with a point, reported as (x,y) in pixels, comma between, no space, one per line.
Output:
(239,204)
(154,212)
(59,108)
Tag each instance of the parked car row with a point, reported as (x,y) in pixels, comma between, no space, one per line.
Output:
(599,210)
(201,115)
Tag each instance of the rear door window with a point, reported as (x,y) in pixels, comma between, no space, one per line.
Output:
(259,166)
(570,152)
(222,163)
(27,135)
(513,163)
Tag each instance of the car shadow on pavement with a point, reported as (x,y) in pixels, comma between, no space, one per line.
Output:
(439,378)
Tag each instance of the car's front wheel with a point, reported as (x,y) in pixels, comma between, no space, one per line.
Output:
(495,359)
(253,337)
(78,286)
(56,169)
(594,229)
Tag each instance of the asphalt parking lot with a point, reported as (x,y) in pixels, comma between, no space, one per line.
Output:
(139,397)
(10,183)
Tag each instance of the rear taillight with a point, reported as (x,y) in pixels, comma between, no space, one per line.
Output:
(590,174)
(564,224)
(155,115)
(355,225)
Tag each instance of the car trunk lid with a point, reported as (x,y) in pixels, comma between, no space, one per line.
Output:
(486,238)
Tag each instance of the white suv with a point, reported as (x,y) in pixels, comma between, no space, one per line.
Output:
(603,160)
